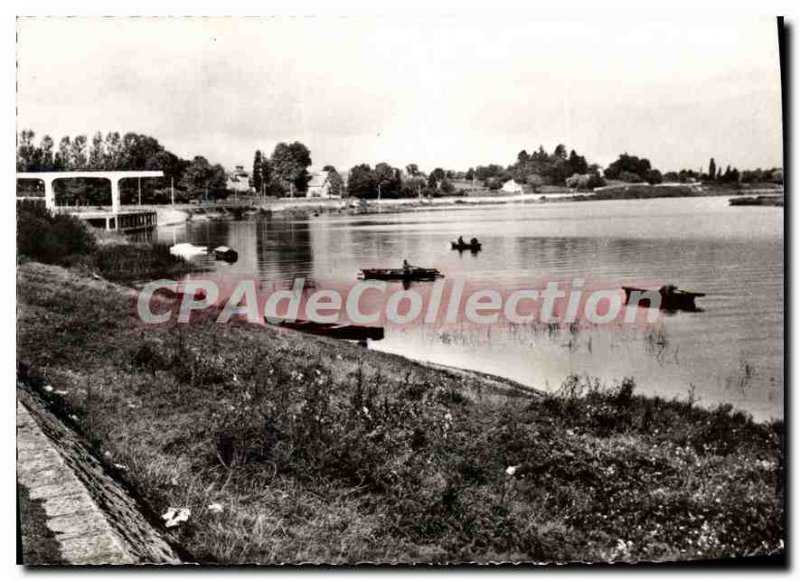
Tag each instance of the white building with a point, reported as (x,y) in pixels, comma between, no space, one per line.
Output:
(238,180)
(319,186)
(512,187)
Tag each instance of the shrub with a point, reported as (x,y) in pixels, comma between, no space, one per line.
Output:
(654,177)
(129,262)
(630,177)
(51,238)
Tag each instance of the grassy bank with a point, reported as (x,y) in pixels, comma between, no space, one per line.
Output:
(322,451)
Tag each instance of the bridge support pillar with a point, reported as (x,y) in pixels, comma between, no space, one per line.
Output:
(115,200)
(49,194)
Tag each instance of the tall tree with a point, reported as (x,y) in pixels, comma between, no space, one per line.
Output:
(113,151)
(540,154)
(436,178)
(26,150)
(628,168)
(335,182)
(361,184)
(97,152)
(577,163)
(387,180)
(412,169)
(47,153)
(77,152)
(64,148)
(258,172)
(712,169)
(289,164)
(201,179)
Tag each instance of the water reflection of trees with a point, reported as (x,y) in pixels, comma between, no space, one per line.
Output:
(284,249)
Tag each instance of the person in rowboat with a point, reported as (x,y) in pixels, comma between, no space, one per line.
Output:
(461,241)
(406,266)
(473,242)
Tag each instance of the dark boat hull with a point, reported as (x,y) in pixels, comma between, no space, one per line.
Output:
(335,331)
(400,274)
(674,301)
(228,255)
(465,247)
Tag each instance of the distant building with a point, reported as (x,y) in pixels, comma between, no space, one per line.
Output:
(512,187)
(319,186)
(238,180)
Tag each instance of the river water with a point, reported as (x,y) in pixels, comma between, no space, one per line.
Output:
(730,352)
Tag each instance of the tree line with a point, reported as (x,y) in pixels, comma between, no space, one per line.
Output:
(733,175)
(192,179)
(285,172)
(541,168)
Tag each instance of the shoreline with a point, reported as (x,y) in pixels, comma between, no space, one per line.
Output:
(164,403)
(182,213)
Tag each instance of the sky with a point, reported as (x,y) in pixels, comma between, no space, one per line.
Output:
(446,91)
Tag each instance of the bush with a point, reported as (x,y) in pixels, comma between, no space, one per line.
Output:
(654,177)
(130,262)
(51,238)
(630,177)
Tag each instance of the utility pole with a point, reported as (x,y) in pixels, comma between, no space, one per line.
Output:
(140,191)
(172,190)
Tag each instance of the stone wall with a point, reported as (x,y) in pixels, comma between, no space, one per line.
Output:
(94,517)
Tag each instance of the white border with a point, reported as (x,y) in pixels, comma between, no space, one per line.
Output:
(565,9)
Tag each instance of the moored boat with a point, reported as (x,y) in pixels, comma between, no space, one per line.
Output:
(413,273)
(672,299)
(187,250)
(337,331)
(226,254)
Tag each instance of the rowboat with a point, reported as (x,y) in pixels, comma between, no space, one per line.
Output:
(226,254)
(413,273)
(180,294)
(337,331)
(466,246)
(672,299)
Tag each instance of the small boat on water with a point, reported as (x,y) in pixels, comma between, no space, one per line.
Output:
(226,254)
(404,274)
(672,299)
(180,294)
(337,331)
(463,246)
(187,250)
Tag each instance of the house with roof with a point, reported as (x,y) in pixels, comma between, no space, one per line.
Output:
(319,186)
(238,180)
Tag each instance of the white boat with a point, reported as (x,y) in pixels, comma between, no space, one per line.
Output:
(187,250)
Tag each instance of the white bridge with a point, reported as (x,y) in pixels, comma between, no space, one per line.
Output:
(114,220)
(48,177)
